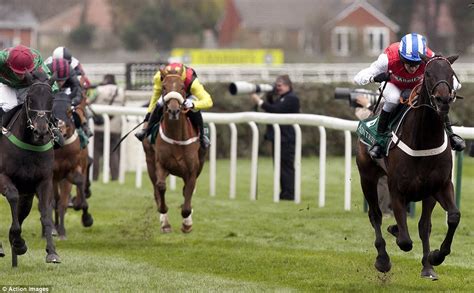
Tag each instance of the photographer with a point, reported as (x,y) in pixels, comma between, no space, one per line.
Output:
(401,68)
(285,102)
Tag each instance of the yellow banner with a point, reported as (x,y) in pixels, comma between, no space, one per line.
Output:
(228,56)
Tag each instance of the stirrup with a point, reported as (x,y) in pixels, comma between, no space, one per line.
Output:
(376,151)
(457,143)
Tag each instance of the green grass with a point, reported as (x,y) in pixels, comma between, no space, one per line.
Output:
(237,245)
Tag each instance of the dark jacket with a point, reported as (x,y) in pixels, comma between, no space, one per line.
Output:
(287,103)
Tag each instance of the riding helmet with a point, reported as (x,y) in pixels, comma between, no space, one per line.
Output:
(410,48)
(62,52)
(21,59)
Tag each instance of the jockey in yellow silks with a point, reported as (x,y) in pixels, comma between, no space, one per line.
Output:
(197,98)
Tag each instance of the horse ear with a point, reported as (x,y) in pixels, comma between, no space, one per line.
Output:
(451,59)
(52,79)
(424,57)
(29,78)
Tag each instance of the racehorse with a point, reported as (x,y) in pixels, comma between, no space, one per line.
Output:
(26,163)
(176,151)
(70,167)
(418,167)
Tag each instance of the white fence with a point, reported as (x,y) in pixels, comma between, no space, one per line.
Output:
(307,72)
(250,118)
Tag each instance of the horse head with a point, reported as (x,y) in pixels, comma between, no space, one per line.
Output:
(173,91)
(39,104)
(438,82)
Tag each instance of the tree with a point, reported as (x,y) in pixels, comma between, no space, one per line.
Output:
(463,16)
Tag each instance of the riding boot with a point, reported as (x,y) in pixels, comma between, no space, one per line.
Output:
(376,151)
(58,138)
(196,119)
(152,119)
(87,130)
(457,143)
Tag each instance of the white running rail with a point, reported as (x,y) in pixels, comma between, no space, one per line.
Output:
(253,118)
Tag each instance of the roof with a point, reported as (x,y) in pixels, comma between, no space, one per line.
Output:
(367,6)
(294,14)
(11,17)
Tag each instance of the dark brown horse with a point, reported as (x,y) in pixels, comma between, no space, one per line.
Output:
(70,167)
(418,168)
(176,151)
(26,164)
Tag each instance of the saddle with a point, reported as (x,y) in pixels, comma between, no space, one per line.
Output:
(367,128)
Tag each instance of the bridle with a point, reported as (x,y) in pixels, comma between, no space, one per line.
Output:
(33,115)
(432,97)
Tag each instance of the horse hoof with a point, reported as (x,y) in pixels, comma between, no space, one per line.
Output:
(382,264)
(429,274)
(20,250)
(53,258)
(87,220)
(405,245)
(2,253)
(54,232)
(166,229)
(186,228)
(62,237)
(435,257)
(393,229)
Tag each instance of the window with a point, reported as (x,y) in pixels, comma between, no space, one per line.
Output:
(376,39)
(341,40)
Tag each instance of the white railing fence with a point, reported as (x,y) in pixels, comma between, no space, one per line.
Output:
(135,115)
(298,72)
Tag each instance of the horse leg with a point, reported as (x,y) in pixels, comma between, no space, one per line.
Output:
(424,230)
(44,191)
(80,180)
(160,190)
(446,200)
(399,211)
(63,202)
(77,179)
(11,193)
(55,207)
(369,174)
(186,209)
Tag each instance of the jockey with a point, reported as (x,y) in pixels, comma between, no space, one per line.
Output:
(15,63)
(197,99)
(69,84)
(63,52)
(401,68)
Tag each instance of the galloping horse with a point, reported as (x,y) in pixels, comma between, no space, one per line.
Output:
(418,168)
(26,164)
(176,151)
(70,167)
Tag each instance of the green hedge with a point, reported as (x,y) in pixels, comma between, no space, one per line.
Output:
(315,98)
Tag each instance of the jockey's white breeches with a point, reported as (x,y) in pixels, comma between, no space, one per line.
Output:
(11,97)
(391,95)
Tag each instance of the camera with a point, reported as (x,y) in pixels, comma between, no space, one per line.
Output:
(351,95)
(243,87)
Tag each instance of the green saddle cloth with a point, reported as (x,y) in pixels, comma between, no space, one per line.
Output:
(367,129)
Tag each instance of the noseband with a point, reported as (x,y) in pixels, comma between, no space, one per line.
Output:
(37,114)
(432,97)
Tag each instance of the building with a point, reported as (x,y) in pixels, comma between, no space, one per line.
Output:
(328,27)
(17,27)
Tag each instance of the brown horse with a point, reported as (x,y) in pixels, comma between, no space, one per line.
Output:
(26,164)
(418,168)
(176,151)
(70,167)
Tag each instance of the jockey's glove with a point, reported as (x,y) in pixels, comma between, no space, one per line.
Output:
(147,117)
(188,104)
(381,77)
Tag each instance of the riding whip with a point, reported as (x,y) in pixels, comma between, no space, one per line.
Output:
(380,96)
